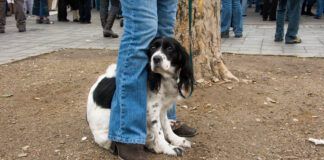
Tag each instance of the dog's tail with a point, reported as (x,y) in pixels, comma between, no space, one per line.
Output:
(111,71)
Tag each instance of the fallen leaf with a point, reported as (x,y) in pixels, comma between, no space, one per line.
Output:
(271,100)
(229,87)
(316,141)
(83,138)
(6,95)
(185,106)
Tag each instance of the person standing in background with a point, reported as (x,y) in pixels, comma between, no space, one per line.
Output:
(40,9)
(308,5)
(293,11)
(108,17)
(85,11)
(269,10)
(28,6)
(231,13)
(19,15)
(62,13)
(320,9)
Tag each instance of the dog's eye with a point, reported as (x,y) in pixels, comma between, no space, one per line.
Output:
(169,49)
(153,48)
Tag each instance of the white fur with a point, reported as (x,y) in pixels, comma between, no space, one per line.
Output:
(98,117)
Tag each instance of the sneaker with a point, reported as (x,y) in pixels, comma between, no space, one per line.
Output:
(225,34)
(294,41)
(76,20)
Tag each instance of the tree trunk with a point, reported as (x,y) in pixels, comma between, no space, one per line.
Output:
(208,62)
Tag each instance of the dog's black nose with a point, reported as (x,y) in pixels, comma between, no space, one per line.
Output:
(157,59)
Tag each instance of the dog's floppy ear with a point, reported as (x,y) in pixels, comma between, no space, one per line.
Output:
(154,81)
(186,77)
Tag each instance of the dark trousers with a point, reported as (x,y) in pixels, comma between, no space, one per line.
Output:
(74,4)
(104,5)
(62,6)
(19,13)
(85,10)
(269,9)
(309,4)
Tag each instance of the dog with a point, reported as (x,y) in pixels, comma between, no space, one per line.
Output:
(169,75)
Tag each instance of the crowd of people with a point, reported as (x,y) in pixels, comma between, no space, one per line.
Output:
(81,11)
(234,11)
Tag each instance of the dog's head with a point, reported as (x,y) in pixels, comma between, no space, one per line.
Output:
(169,59)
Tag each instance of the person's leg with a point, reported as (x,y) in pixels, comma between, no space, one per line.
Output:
(104,4)
(237,18)
(114,9)
(265,10)
(3,13)
(128,113)
(62,13)
(319,10)
(30,6)
(257,6)
(226,16)
(81,10)
(88,7)
(273,10)
(244,7)
(20,15)
(172,115)
(310,4)
(294,18)
(281,11)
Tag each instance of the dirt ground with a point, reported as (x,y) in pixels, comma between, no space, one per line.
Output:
(268,116)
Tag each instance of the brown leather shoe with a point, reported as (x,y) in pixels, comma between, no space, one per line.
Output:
(128,151)
(182,129)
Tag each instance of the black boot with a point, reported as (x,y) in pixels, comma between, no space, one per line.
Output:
(107,32)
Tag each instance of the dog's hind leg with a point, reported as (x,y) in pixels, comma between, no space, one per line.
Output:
(169,134)
(158,142)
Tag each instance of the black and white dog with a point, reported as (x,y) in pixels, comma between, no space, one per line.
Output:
(169,75)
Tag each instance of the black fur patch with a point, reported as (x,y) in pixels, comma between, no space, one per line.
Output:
(153,122)
(104,92)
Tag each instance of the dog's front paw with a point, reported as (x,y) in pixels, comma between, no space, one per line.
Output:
(174,151)
(182,142)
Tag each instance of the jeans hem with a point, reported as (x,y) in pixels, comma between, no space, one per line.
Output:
(127,140)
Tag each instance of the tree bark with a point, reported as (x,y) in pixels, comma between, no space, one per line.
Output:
(208,62)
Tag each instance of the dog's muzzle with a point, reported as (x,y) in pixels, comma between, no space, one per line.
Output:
(157,60)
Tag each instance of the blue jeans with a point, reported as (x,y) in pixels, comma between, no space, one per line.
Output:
(231,13)
(144,20)
(320,8)
(244,7)
(294,10)
(40,8)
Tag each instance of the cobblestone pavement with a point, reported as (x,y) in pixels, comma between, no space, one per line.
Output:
(257,38)
(44,38)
